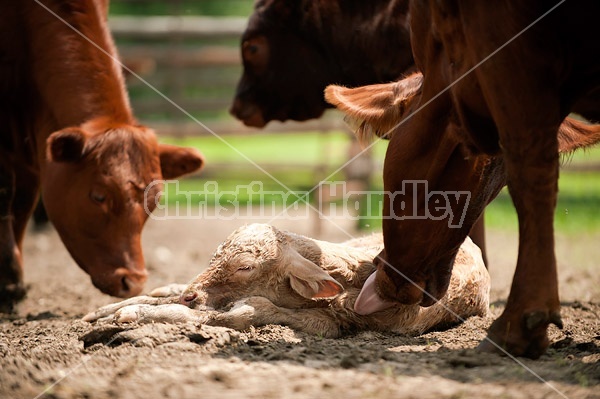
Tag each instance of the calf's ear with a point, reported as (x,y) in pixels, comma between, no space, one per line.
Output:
(375,109)
(309,280)
(177,161)
(66,145)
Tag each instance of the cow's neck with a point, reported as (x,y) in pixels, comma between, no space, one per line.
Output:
(76,74)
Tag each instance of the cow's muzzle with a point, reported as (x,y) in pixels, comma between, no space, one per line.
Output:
(122,283)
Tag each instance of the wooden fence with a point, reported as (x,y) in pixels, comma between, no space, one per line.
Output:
(195,62)
(187,67)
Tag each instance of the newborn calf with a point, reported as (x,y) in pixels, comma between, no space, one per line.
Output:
(261,275)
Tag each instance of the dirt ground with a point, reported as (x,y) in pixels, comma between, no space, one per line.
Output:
(42,355)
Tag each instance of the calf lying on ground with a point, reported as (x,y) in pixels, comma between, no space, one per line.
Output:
(261,275)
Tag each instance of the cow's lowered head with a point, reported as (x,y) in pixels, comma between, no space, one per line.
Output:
(387,110)
(94,189)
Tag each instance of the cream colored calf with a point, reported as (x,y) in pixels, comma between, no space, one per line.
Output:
(261,275)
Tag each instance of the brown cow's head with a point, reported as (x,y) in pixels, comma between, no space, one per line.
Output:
(284,74)
(432,147)
(93,186)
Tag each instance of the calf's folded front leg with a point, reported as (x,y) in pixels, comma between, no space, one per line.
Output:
(112,308)
(259,311)
(171,313)
(159,296)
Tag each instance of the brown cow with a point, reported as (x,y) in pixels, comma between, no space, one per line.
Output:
(497,125)
(69,130)
(261,275)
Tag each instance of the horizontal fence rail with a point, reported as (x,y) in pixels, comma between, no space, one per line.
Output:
(192,27)
(195,61)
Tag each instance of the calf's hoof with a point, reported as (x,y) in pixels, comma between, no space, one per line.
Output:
(10,295)
(520,336)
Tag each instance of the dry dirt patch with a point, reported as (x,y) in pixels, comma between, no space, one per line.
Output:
(41,344)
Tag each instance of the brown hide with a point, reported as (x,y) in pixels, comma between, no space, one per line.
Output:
(69,129)
(291,50)
(501,124)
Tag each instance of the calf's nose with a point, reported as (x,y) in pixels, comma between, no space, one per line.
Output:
(187,298)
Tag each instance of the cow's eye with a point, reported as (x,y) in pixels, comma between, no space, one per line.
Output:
(255,53)
(98,197)
(250,48)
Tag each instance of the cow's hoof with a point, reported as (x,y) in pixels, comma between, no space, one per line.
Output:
(10,295)
(532,349)
(527,338)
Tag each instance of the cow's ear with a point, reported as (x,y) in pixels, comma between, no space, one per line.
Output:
(309,280)
(176,161)
(574,134)
(375,109)
(66,145)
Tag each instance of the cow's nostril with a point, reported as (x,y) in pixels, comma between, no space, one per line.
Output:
(130,287)
(124,285)
(187,299)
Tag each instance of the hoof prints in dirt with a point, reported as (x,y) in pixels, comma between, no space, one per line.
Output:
(128,361)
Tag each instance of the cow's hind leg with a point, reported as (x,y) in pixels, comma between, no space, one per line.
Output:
(11,271)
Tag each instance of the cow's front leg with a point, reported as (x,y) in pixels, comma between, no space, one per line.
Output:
(533,303)
(477,235)
(12,288)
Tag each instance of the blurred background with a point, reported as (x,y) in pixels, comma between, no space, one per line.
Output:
(187,56)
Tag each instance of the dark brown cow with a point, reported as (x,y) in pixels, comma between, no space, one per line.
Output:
(291,50)
(498,125)
(68,129)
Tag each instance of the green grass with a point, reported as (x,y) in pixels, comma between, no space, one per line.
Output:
(577,211)
(305,147)
(583,156)
(182,7)
(578,208)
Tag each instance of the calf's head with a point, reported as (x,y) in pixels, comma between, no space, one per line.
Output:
(423,227)
(284,72)
(257,260)
(94,188)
